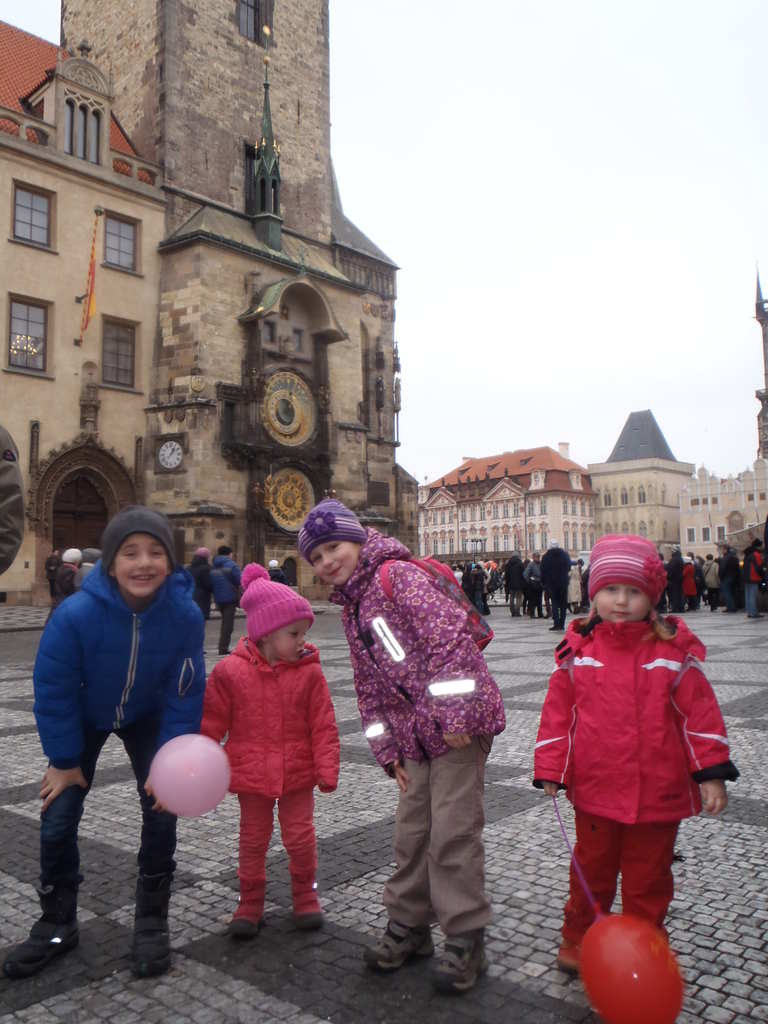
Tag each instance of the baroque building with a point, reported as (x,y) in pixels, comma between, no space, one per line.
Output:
(517,502)
(638,487)
(266,372)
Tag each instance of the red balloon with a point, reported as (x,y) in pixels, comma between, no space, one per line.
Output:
(629,972)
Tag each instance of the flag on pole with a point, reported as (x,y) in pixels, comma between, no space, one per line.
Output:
(89,299)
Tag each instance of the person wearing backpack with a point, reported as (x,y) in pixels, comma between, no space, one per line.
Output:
(429,709)
(225,582)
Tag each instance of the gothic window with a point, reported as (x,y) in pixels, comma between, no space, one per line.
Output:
(82,132)
(624,496)
(253,15)
(69,126)
(27,342)
(607,500)
(94,136)
(641,495)
(642,529)
(118,355)
(251,206)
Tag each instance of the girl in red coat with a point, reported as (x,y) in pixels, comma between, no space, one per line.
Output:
(632,730)
(271,697)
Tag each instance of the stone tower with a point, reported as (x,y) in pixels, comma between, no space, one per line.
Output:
(275,373)
(761,315)
(188,88)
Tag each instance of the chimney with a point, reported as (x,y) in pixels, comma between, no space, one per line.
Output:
(564,447)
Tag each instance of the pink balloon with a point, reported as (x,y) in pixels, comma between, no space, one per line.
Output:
(190,775)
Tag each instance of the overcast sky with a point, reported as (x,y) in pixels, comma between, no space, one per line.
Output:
(576,193)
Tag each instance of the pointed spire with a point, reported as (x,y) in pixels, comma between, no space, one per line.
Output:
(761,310)
(266,170)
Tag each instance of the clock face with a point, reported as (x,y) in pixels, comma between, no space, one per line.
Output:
(170,454)
(289,409)
(290,498)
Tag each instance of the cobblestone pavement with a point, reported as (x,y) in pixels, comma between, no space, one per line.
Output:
(717,924)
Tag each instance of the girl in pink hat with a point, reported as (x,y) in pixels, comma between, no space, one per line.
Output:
(632,731)
(271,698)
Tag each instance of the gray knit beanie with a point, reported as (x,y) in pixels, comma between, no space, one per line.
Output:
(135,519)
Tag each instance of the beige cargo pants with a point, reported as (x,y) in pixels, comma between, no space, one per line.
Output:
(438,843)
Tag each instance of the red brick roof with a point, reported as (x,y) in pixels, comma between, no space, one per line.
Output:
(518,465)
(25,63)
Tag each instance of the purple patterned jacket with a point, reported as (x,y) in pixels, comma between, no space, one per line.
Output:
(418,672)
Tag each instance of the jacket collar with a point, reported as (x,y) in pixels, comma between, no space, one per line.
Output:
(249,651)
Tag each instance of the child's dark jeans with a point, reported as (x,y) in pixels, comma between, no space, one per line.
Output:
(59,854)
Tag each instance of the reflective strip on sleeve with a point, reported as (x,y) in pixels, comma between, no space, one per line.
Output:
(390,644)
(664,663)
(374,731)
(452,687)
(710,736)
(589,661)
(544,743)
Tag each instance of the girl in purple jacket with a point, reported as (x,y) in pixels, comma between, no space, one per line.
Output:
(429,709)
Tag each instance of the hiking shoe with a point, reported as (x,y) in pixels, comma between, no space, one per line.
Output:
(398,944)
(568,957)
(462,962)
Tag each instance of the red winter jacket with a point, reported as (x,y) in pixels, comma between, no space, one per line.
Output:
(630,724)
(280,720)
(689,580)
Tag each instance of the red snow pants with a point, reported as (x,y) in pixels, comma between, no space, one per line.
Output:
(641,853)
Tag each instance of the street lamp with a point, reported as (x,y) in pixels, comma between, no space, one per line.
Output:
(477,544)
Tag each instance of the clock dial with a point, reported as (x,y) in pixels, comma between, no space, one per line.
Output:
(289,409)
(170,454)
(290,497)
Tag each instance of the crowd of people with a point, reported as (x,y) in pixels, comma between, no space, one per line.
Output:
(551,585)
(123,654)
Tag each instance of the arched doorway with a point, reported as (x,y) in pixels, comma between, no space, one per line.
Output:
(79,514)
(289,568)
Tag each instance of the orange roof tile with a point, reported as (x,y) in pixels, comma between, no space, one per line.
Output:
(25,63)
(518,465)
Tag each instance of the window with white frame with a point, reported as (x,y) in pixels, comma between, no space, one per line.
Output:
(531,510)
(543,506)
(505,510)
(120,243)
(721,533)
(31,216)
(118,353)
(566,539)
(27,344)
(706,534)
(690,534)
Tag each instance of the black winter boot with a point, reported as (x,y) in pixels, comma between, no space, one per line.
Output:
(151,949)
(55,933)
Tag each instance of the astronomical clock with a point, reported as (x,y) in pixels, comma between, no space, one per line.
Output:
(289,411)
(289,497)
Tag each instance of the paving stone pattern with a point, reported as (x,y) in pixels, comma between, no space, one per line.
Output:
(718,921)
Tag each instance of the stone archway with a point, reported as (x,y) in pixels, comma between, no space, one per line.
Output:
(84,471)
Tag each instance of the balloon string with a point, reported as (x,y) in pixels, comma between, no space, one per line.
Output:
(577,867)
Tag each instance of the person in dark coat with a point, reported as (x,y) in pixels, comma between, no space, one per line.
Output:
(52,563)
(555,572)
(674,569)
(225,580)
(730,574)
(514,584)
(276,574)
(533,587)
(200,571)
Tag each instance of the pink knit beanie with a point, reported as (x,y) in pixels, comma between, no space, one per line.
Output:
(269,606)
(629,559)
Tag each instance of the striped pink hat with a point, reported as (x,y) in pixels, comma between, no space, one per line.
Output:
(629,559)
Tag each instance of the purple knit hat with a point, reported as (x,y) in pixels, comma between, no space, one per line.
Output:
(269,606)
(329,520)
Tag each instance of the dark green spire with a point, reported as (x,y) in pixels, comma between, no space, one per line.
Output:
(267,222)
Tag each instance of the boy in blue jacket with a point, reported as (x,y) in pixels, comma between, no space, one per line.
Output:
(123,655)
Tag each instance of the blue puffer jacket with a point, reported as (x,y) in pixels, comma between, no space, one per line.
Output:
(225,580)
(103,665)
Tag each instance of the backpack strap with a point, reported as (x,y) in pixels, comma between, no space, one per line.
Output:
(385,578)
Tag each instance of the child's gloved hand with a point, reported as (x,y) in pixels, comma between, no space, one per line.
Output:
(56,780)
(713,796)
